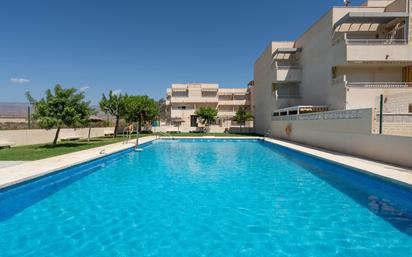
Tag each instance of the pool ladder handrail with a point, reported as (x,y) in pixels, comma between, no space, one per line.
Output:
(126,134)
(165,134)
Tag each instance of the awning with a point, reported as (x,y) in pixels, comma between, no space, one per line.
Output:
(286,51)
(209,89)
(179,89)
(370,17)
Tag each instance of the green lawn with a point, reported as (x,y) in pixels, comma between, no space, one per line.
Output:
(37,152)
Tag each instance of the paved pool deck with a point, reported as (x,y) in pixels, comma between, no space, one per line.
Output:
(20,172)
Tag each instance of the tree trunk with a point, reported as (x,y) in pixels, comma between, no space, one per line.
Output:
(140,123)
(116,127)
(56,136)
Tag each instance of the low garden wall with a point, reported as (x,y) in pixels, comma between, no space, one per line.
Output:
(41,136)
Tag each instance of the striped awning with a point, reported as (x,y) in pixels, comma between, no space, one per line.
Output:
(370,17)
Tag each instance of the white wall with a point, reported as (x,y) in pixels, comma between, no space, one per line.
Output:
(42,136)
(349,135)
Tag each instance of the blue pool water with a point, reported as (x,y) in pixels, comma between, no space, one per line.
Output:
(198,198)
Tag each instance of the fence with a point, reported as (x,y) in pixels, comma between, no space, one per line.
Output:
(396,114)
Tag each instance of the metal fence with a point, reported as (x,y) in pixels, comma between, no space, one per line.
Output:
(394,114)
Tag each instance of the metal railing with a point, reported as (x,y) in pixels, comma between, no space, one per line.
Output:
(290,96)
(367,41)
(376,41)
(380,84)
(125,135)
(164,135)
(287,67)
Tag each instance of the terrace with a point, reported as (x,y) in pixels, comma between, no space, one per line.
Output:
(286,65)
(363,37)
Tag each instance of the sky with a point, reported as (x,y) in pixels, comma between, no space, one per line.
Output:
(140,47)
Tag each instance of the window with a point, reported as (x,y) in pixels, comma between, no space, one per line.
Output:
(181,107)
(410,108)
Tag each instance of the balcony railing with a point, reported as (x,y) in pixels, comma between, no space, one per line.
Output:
(380,84)
(367,41)
(288,96)
(287,67)
(341,80)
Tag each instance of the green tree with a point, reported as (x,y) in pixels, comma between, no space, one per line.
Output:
(140,109)
(242,115)
(60,107)
(207,115)
(114,104)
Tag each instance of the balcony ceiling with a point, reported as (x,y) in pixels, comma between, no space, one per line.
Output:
(286,51)
(370,17)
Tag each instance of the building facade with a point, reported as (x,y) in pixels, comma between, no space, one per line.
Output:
(182,101)
(344,61)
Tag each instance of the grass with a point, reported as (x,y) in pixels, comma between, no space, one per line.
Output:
(37,152)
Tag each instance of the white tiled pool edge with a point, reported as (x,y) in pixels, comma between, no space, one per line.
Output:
(29,170)
(393,173)
(33,169)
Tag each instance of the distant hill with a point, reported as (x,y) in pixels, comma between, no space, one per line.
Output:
(19,110)
(13,110)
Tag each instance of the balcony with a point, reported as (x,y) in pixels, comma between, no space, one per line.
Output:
(372,51)
(226,113)
(341,80)
(379,85)
(233,102)
(288,74)
(177,100)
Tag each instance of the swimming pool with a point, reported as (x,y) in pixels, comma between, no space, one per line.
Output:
(206,198)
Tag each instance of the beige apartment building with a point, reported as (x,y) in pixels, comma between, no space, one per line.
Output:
(182,101)
(344,61)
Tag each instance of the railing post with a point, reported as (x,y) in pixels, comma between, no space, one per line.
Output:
(381,114)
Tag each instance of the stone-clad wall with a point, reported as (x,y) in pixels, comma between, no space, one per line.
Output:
(42,136)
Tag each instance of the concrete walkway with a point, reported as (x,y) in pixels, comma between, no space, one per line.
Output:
(5,164)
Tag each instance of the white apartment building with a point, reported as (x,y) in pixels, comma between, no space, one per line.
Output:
(182,101)
(344,61)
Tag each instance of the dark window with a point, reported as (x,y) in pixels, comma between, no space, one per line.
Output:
(410,108)
(193,121)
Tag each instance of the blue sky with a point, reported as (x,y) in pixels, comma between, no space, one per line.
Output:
(140,47)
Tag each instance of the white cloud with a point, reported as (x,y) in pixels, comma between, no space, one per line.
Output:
(19,80)
(83,89)
(117,92)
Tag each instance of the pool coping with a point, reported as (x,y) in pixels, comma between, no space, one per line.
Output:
(26,171)
(30,170)
(395,174)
